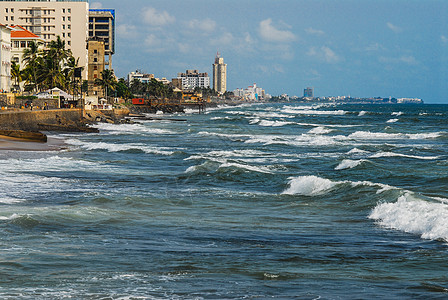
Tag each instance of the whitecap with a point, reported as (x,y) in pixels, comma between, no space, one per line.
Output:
(392,121)
(361,113)
(413,215)
(320,130)
(357,151)
(400,113)
(349,164)
(392,154)
(309,186)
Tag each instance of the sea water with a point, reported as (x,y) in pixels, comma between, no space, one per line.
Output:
(303,201)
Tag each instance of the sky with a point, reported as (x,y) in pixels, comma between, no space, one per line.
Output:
(358,48)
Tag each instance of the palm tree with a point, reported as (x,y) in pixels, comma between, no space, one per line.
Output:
(16,75)
(107,81)
(30,58)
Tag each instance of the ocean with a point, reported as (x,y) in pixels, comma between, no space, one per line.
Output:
(278,201)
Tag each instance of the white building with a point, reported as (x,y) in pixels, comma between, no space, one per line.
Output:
(20,40)
(192,79)
(251,93)
(144,78)
(5,58)
(68,19)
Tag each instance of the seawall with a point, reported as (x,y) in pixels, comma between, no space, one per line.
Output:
(29,120)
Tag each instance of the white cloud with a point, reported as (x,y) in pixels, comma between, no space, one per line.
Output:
(313,31)
(96,5)
(206,26)
(403,59)
(126,31)
(324,53)
(394,28)
(157,18)
(225,39)
(271,34)
(444,39)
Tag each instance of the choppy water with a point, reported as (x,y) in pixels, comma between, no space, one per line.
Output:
(295,201)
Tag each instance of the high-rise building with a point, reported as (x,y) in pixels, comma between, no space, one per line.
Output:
(219,75)
(102,25)
(48,19)
(308,92)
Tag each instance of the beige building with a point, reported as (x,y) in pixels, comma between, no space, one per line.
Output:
(5,58)
(219,75)
(96,49)
(49,19)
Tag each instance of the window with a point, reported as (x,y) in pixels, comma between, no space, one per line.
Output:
(69,10)
(95,59)
(63,19)
(6,10)
(29,44)
(69,34)
(16,44)
(95,76)
(22,44)
(12,10)
(12,18)
(95,68)
(95,51)
(6,18)
(69,19)
(63,26)
(69,43)
(63,10)
(69,26)
(63,34)
(16,59)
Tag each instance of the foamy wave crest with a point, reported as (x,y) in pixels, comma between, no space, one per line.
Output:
(367,135)
(413,215)
(391,154)
(309,186)
(315,186)
(320,130)
(392,121)
(120,147)
(267,123)
(130,128)
(362,113)
(315,112)
(397,113)
(349,164)
(357,151)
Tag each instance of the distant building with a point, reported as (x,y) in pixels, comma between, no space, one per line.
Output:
(308,92)
(20,40)
(97,63)
(219,75)
(5,58)
(191,79)
(49,19)
(251,93)
(144,78)
(409,101)
(102,25)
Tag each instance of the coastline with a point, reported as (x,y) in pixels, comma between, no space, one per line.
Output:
(17,144)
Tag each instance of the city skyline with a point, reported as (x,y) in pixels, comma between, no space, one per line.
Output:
(358,48)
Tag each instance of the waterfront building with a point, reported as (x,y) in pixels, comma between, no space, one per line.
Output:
(144,78)
(308,92)
(251,93)
(102,25)
(20,40)
(191,79)
(5,58)
(219,75)
(97,63)
(49,19)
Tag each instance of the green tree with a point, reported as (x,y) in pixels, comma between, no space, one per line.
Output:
(16,75)
(31,57)
(107,81)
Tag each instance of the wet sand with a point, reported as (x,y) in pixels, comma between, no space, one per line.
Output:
(8,143)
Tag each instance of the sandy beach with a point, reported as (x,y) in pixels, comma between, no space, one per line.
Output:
(8,143)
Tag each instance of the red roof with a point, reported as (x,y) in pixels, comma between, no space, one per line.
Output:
(20,32)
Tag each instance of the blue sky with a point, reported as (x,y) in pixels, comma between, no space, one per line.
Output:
(362,48)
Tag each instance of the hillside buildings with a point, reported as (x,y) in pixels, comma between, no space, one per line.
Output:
(5,57)
(49,19)
(144,78)
(191,79)
(219,75)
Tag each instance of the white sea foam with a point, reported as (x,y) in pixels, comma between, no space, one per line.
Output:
(357,151)
(314,186)
(309,186)
(349,164)
(414,215)
(367,135)
(320,130)
(361,113)
(120,147)
(392,121)
(314,112)
(392,154)
(400,113)
(116,129)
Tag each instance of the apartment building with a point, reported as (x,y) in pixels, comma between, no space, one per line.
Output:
(191,79)
(219,75)
(51,18)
